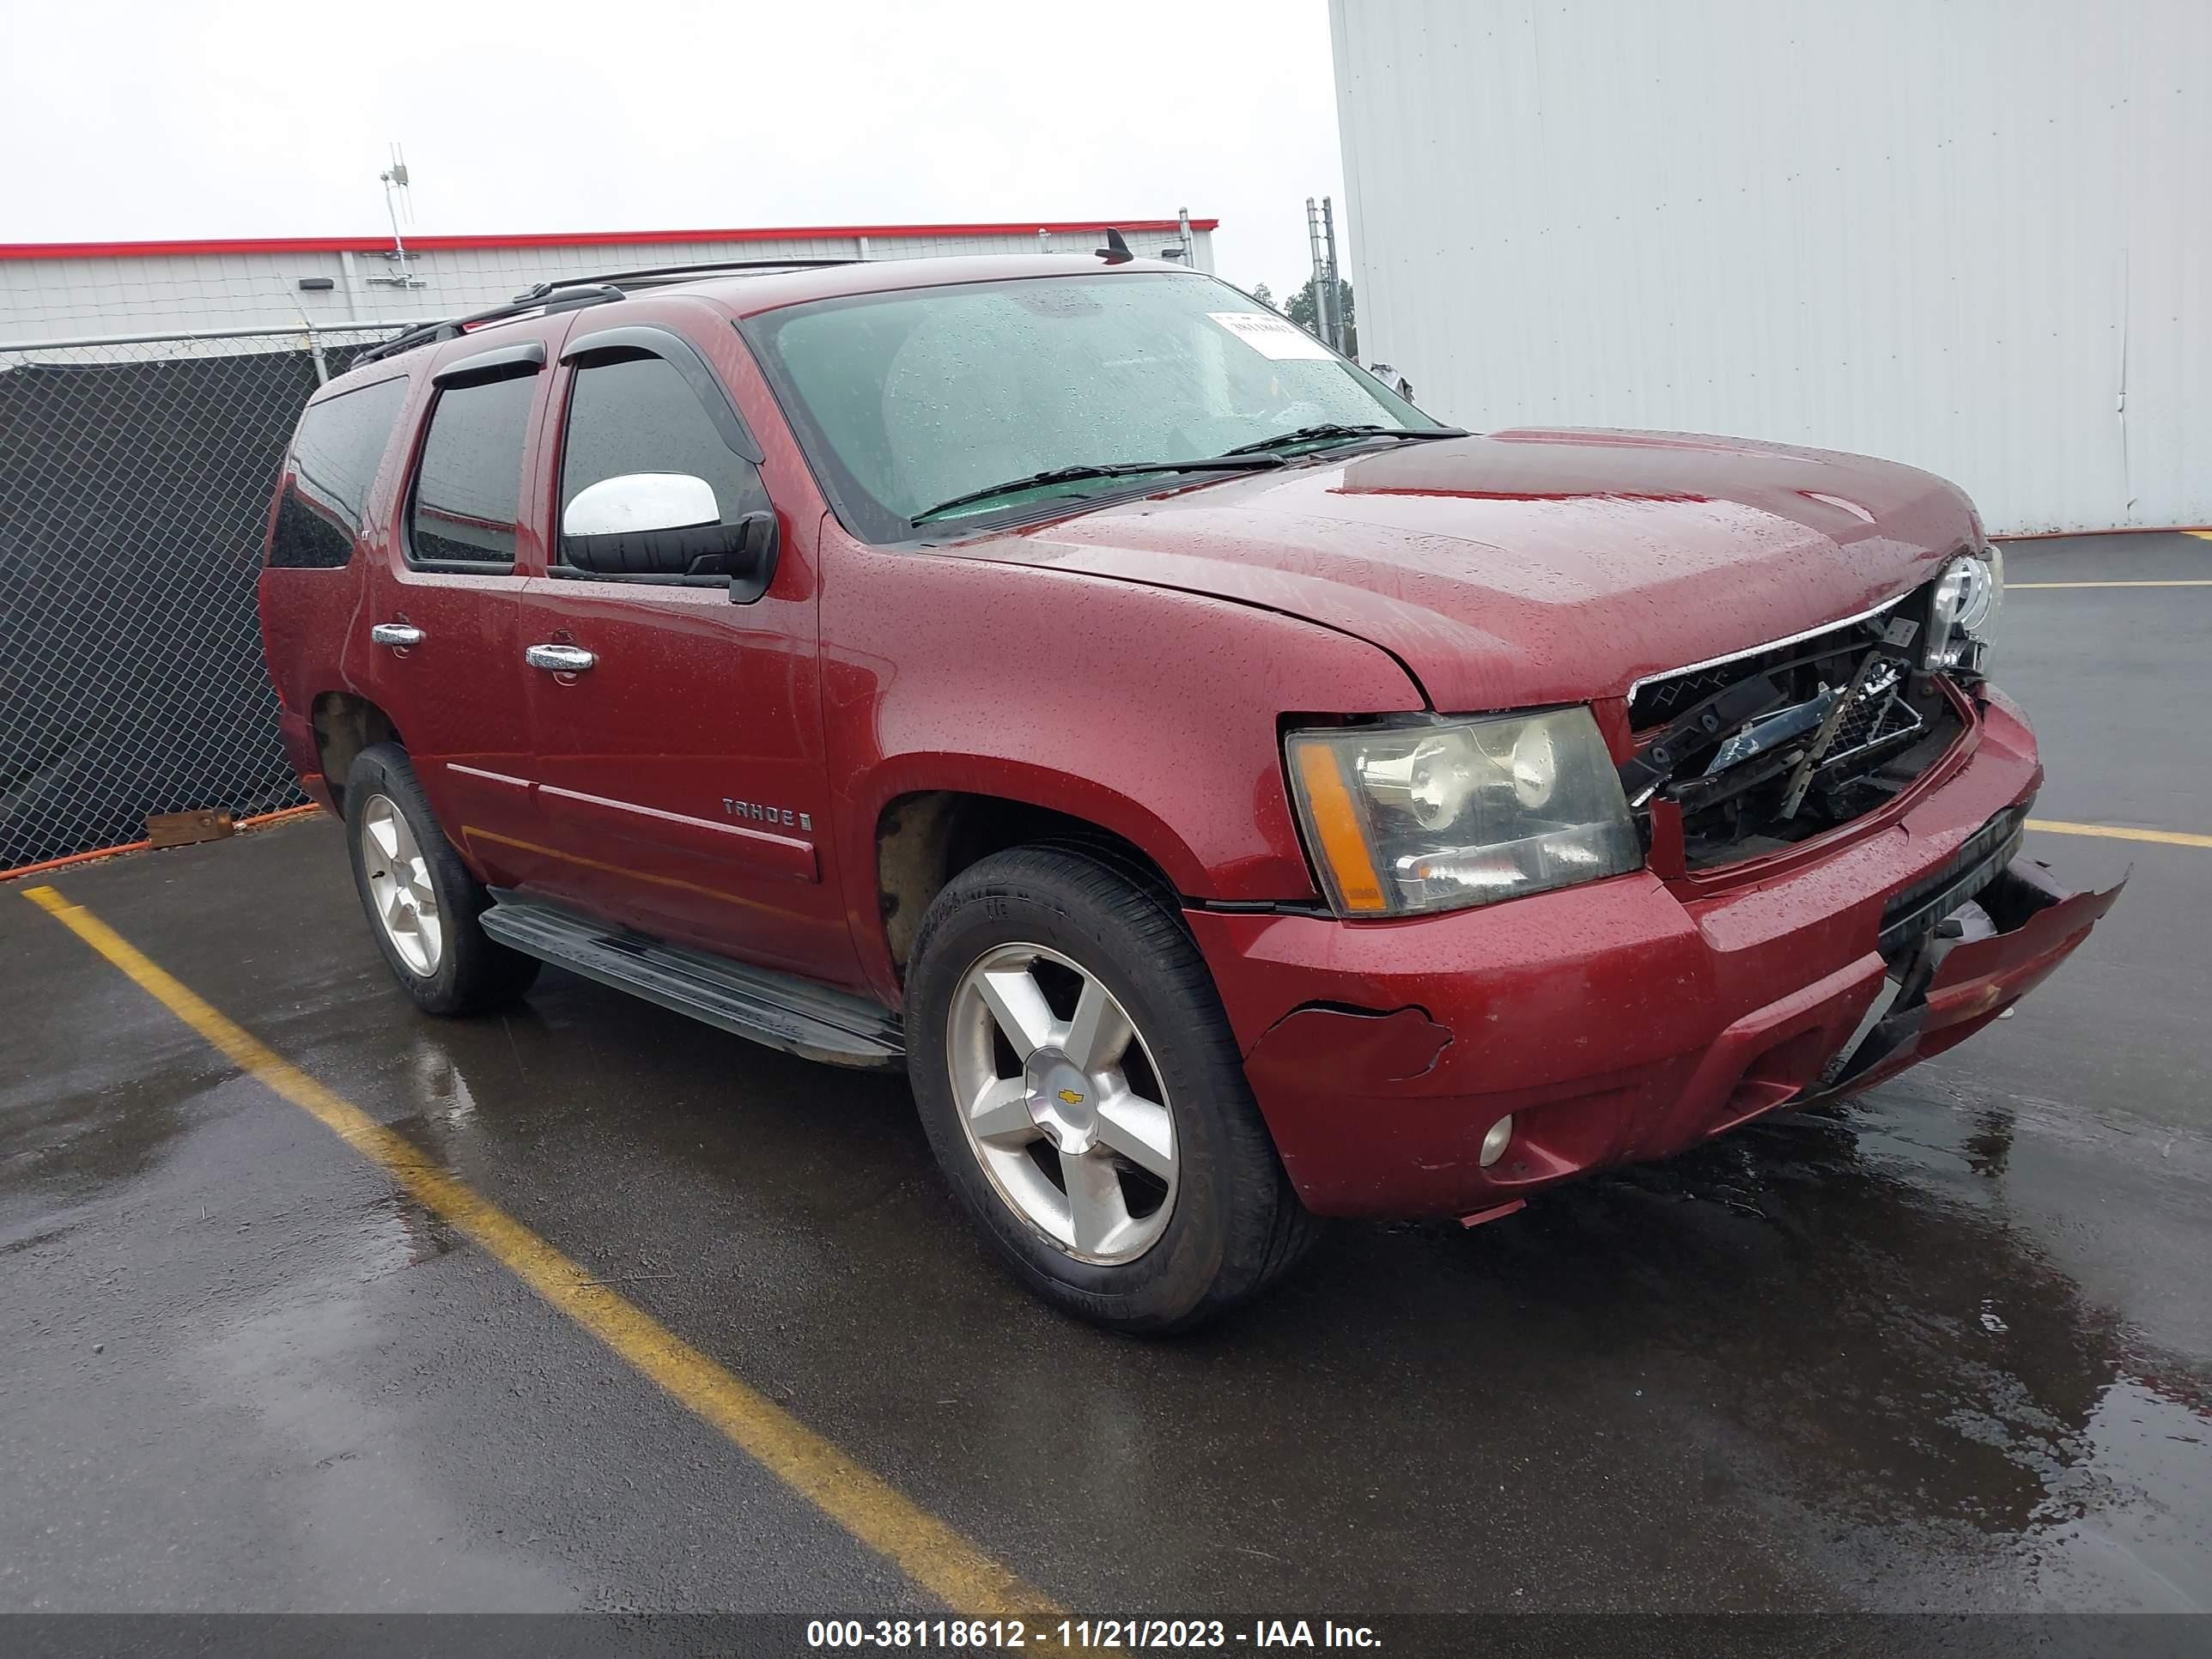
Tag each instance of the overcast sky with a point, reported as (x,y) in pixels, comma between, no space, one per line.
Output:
(125,120)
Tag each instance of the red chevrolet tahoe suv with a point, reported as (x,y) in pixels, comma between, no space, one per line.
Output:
(1235,797)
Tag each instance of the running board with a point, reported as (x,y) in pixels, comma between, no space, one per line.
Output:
(780,1010)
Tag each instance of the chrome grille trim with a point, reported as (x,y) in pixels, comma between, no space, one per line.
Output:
(1723,660)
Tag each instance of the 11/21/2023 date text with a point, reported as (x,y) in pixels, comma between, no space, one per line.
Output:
(1086,1634)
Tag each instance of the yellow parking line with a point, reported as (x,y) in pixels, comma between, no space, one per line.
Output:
(2201,535)
(950,1567)
(2015,587)
(2171,837)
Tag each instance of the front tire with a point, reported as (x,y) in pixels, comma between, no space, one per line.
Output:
(422,902)
(1083,1095)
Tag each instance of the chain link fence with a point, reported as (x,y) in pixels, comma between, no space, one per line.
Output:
(135,483)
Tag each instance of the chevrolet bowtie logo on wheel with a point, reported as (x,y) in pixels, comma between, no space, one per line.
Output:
(1070,1096)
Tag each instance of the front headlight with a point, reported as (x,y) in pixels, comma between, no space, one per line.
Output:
(1963,619)
(1442,814)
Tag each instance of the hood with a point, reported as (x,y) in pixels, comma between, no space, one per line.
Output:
(1535,566)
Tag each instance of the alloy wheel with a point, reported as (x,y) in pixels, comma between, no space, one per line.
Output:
(1061,1102)
(399,889)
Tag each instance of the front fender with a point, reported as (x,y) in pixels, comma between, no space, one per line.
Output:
(1019,778)
(1151,713)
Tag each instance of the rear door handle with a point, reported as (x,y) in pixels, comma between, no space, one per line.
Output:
(400,634)
(560,659)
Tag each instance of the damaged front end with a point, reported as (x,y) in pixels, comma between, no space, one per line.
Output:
(1749,755)
(1833,889)
(1960,955)
(1737,761)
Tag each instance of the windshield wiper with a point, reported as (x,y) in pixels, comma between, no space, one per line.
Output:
(1328,429)
(1235,461)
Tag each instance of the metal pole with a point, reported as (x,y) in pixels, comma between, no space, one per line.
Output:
(1189,247)
(398,245)
(1336,287)
(1320,268)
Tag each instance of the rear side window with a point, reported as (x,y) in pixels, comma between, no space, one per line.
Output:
(335,456)
(640,414)
(469,486)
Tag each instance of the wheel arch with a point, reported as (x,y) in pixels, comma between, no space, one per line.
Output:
(345,723)
(925,836)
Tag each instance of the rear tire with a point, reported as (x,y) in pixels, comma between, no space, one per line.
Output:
(422,902)
(1153,1200)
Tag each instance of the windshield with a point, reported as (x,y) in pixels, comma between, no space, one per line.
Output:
(908,399)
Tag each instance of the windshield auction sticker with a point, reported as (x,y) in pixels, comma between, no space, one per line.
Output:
(1270,336)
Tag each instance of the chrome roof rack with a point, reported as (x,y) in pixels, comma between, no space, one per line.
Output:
(651,274)
(567,293)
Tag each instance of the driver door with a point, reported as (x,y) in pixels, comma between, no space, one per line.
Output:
(678,734)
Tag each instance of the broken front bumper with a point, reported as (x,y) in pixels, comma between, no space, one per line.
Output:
(1618,1021)
(2025,924)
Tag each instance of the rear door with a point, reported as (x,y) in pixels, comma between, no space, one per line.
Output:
(311,592)
(442,616)
(681,776)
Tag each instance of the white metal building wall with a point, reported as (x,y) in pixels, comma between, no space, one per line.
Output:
(136,293)
(1970,235)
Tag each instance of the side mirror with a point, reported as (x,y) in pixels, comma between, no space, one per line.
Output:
(667,524)
(751,566)
(643,524)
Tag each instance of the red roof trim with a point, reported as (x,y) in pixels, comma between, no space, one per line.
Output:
(561,238)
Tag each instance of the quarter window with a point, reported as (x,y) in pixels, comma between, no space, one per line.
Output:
(639,414)
(335,456)
(469,487)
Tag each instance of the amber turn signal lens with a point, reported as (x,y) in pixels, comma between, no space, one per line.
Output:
(1343,846)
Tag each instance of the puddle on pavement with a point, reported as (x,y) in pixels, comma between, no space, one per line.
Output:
(1852,1291)
(75,1133)
(1839,1307)
(1836,1321)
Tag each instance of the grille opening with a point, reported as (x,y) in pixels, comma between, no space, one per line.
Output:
(1749,824)
(1887,732)
(1659,698)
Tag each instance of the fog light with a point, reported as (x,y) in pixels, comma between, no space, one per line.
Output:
(1493,1143)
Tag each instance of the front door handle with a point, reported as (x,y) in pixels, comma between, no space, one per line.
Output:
(399,635)
(559,659)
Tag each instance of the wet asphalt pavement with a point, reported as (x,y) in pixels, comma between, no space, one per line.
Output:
(1948,1347)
